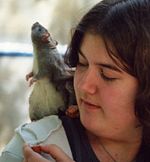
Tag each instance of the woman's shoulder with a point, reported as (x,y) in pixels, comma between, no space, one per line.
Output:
(144,153)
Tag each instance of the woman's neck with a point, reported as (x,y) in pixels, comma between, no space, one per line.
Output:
(109,150)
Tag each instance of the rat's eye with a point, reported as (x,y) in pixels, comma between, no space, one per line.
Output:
(39,29)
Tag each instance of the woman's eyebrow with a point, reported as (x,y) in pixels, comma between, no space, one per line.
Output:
(109,66)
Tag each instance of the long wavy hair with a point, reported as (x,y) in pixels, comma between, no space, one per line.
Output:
(126,24)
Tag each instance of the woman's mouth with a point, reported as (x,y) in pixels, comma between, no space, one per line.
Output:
(89,105)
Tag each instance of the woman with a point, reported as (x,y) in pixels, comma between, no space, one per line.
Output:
(110,49)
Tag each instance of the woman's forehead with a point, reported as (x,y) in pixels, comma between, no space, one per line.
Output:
(98,49)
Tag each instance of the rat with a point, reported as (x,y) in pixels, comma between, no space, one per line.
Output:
(53,84)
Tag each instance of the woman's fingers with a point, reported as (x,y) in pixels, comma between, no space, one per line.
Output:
(31,156)
(56,152)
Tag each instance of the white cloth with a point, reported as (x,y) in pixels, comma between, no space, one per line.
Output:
(48,130)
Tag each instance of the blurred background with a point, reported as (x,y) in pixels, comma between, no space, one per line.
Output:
(16,19)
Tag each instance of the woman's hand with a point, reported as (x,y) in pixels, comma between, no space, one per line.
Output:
(54,151)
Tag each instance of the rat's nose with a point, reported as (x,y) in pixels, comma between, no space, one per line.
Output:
(35,24)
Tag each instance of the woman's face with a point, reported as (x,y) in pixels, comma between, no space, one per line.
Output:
(105,93)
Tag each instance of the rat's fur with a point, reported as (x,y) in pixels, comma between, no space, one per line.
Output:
(49,74)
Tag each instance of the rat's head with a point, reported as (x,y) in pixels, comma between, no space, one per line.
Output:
(40,35)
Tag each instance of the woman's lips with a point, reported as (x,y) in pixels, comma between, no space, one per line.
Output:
(89,105)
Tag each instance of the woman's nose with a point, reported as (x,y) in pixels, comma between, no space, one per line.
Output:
(88,82)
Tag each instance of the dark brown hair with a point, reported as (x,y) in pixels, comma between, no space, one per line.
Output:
(126,24)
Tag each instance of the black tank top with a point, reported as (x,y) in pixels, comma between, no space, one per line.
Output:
(80,146)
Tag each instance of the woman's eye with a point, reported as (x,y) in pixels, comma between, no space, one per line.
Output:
(107,78)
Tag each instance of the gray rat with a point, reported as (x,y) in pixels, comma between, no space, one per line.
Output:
(53,87)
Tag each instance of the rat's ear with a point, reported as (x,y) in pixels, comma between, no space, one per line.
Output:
(56,43)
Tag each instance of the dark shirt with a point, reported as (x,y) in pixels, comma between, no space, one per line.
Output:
(80,146)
